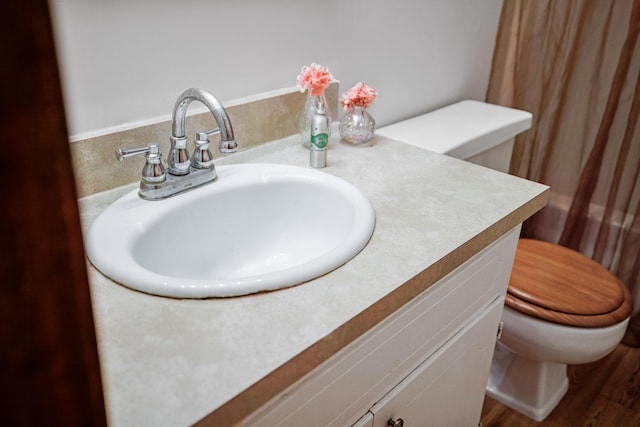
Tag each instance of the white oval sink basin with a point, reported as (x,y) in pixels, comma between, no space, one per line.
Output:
(258,227)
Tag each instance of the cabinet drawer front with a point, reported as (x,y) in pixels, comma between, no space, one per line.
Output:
(448,388)
(342,389)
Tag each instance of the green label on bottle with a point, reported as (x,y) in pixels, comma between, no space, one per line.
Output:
(320,140)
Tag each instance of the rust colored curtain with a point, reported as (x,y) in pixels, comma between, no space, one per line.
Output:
(575,64)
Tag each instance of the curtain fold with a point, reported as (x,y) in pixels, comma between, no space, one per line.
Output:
(575,65)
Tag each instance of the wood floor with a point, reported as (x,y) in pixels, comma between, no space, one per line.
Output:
(605,393)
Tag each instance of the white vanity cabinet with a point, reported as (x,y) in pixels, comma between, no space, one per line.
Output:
(447,389)
(427,363)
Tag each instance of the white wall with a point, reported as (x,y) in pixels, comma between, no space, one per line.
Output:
(124,62)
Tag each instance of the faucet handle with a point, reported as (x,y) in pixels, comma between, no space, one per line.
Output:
(202,157)
(153,172)
(206,133)
(122,154)
(225,147)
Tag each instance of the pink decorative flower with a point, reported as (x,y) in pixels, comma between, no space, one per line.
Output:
(360,95)
(314,78)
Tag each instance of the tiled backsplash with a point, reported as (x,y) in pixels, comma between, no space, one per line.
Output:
(255,121)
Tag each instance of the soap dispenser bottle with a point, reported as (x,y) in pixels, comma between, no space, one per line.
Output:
(320,129)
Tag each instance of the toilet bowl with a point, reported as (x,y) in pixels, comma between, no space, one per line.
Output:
(529,368)
(561,307)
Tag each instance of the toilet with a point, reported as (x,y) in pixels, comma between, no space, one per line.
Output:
(561,307)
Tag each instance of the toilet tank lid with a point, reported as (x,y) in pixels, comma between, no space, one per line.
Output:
(460,130)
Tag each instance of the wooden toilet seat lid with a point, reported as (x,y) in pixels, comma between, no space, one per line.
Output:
(557,284)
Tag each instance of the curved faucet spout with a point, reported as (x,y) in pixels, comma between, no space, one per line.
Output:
(178,160)
(216,108)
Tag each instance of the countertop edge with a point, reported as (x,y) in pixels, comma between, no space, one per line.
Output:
(234,411)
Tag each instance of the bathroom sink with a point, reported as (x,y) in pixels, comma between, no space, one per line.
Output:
(258,227)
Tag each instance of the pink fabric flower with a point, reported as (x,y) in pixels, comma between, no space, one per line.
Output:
(360,95)
(314,78)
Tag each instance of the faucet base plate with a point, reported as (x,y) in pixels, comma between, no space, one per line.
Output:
(177,184)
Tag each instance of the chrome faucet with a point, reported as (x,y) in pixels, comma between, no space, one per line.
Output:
(184,173)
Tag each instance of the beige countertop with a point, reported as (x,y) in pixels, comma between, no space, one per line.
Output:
(169,362)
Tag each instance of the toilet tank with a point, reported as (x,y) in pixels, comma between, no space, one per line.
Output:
(470,130)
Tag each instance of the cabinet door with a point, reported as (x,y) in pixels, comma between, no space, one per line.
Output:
(448,388)
(342,389)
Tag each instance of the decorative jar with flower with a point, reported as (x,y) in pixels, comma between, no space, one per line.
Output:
(357,126)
